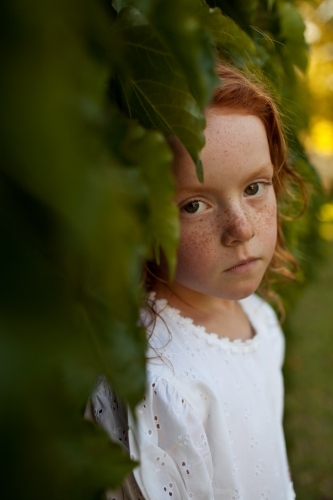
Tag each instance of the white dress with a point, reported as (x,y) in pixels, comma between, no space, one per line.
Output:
(210,425)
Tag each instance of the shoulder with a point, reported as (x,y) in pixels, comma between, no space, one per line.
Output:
(265,322)
(259,310)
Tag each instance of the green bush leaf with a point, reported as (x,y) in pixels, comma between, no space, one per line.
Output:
(292,34)
(51,367)
(86,197)
(184,35)
(157,93)
(151,155)
(241,11)
(235,45)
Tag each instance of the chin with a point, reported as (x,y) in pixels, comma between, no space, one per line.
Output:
(243,290)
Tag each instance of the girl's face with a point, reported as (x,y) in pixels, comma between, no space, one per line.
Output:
(228,222)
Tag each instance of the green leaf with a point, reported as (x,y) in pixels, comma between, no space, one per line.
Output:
(144,6)
(241,11)
(51,366)
(153,157)
(149,158)
(71,230)
(119,346)
(292,34)
(235,45)
(156,92)
(183,34)
(59,151)
(119,4)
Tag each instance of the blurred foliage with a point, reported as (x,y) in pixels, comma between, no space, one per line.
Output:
(308,367)
(309,394)
(318,16)
(89,91)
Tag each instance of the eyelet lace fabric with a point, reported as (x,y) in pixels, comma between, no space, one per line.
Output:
(210,424)
(212,339)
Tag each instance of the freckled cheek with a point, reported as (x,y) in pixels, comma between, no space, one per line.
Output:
(267,224)
(196,247)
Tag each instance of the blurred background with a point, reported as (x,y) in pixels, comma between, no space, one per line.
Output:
(309,327)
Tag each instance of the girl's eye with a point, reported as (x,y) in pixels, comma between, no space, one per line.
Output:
(253,189)
(194,207)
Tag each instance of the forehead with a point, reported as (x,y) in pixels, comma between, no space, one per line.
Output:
(236,143)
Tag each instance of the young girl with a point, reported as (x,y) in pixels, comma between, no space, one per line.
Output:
(210,425)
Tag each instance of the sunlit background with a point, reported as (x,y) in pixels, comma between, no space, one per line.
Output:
(309,328)
(319,139)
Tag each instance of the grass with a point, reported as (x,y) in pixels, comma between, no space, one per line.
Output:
(309,387)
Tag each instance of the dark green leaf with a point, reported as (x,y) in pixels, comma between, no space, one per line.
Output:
(292,34)
(149,158)
(182,32)
(235,45)
(241,11)
(157,92)
(153,157)
(270,4)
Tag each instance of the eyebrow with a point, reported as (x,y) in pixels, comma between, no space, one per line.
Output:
(190,189)
(263,170)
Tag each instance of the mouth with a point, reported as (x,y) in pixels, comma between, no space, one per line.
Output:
(243,266)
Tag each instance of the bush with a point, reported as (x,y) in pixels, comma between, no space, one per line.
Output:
(89,91)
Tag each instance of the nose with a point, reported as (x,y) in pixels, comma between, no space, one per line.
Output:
(238,226)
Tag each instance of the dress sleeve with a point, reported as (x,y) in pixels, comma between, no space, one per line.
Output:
(168,439)
(170,442)
(107,411)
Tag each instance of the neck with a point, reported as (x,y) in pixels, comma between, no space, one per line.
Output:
(179,296)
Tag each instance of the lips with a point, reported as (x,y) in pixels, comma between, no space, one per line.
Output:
(243,266)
